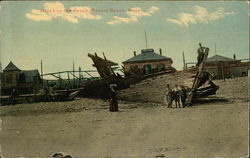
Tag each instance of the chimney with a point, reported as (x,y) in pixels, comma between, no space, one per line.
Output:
(234,56)
(160,51)
(134,53)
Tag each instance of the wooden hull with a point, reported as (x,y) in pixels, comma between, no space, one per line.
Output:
(100,88)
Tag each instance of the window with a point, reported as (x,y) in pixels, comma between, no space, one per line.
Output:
(160,67)
(147,69)
(9,79)
(133,68)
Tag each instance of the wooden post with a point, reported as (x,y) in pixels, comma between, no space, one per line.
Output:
(79,76)
(184,64)
(222,71)
(68,78)
(146,39)
(74,74)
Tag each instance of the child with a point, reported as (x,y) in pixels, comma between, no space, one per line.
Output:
(169,95)
(176,91)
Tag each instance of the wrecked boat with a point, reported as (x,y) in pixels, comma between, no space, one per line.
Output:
(100,88)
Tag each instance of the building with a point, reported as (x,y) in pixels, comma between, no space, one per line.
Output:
(24,81)
(149,62)
(224,67)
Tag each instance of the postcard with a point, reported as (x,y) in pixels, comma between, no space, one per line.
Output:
(124,79)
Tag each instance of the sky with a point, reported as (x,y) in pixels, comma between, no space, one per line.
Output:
(60,33)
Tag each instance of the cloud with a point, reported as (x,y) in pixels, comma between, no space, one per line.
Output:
(134,14)
(200,15)
(53,10)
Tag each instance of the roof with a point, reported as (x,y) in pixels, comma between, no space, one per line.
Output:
(29,75)
(11,67)
(147,55)
(219,58)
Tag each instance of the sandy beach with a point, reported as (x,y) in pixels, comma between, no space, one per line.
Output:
(84,128)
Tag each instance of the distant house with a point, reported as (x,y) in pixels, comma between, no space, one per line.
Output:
(24,81)
(149,62)
(221,66)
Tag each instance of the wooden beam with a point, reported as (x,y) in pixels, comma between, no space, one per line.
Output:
(104,56)
(73,75)
(222,71)
(56,76)
(66,72)
(88,73)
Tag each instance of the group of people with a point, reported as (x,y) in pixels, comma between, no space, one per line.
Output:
(177,94)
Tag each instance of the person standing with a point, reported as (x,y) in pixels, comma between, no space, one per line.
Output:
(46,96)
(169,96)
(183,96)
(200,54)
(176,92)
(113,100)
(13,96)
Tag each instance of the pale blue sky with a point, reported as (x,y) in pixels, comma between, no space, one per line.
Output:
(59,39)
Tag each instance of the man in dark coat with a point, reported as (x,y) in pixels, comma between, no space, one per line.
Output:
(113,100)
(183,96)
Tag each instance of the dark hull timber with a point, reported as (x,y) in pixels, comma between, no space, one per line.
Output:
(100,88)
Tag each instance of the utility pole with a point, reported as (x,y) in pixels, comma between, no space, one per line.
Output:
(74,73)
(42,71)
(215,49)
(68,79)
(79,76)
(184,62)
(215,52)
(146,39)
